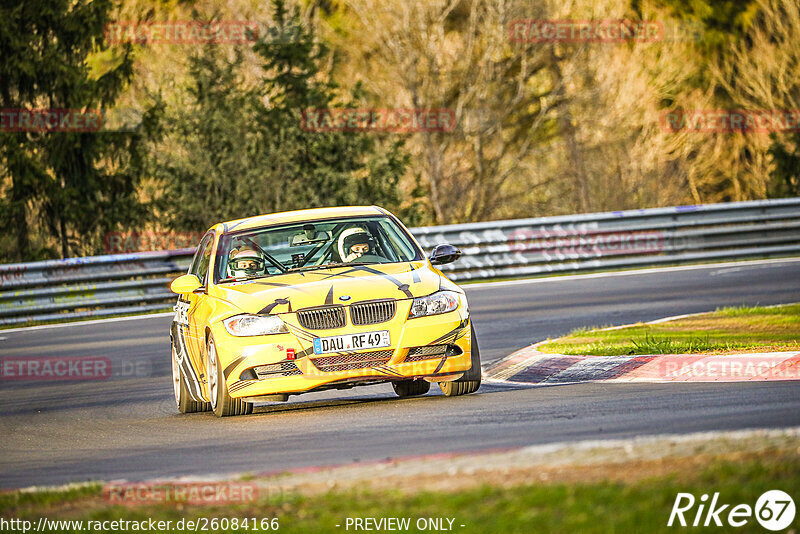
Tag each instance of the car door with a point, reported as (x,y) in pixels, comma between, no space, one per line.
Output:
(195,314)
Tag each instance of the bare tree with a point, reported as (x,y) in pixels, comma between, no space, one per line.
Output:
(457,55)
(761,73)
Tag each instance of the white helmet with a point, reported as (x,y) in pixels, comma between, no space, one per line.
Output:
(245,262)
(357,238)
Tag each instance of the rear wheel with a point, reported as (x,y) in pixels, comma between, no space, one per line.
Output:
(221,402)
(182,396)
(410,388)
(471,381)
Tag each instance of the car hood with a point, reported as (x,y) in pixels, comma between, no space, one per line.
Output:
(293,291)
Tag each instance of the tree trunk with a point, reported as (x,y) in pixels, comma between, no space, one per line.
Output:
(62,229)
(19,215)
(569,134)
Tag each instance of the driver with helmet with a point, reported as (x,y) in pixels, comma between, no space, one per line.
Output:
(245,262)
(354,243)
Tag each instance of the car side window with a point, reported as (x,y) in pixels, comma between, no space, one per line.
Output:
(202,258)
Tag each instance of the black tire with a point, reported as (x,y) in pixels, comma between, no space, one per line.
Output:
(411,388)
(222,403)
(183,398)
(471,381)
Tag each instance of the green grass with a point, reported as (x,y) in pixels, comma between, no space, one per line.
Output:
(737,329)
(639,506)
(35,499)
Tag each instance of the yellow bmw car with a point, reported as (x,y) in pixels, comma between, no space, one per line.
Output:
(288,303)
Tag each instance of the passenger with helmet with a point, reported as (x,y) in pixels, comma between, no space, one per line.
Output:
(355,243)
(245,262)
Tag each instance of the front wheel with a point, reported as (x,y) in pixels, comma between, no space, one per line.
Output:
(411,388)
(221,402)
(471,381)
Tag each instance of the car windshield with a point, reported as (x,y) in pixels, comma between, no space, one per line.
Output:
(312,245)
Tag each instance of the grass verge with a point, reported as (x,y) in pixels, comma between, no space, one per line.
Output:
(610,504)
(740,329)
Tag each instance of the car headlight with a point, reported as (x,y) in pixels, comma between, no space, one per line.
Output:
(440,302)
(254,325)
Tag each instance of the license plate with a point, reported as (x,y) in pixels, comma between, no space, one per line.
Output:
(347,342)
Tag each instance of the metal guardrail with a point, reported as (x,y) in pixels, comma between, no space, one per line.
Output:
(134,283)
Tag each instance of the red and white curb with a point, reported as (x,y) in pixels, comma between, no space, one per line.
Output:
(531,366)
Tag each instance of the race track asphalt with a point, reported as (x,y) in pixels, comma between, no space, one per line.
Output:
(127,427)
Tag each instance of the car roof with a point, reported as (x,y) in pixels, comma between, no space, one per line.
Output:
(285,217)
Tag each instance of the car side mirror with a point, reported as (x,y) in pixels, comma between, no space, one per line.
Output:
(188,283)
(444,254)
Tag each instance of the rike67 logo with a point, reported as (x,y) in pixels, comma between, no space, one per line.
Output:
(774,510)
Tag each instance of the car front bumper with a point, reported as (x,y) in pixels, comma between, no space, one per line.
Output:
(436,348)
